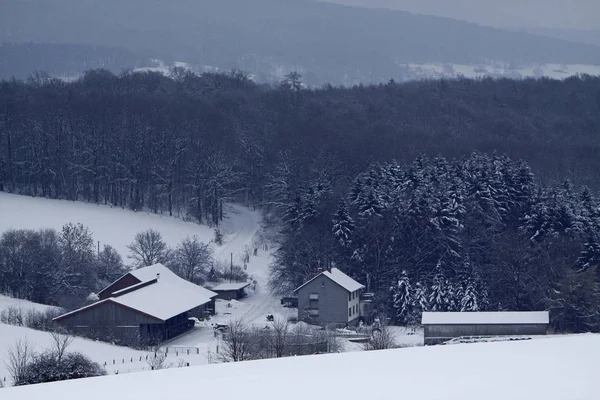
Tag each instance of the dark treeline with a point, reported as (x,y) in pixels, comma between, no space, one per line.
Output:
(19,60)
(186,144)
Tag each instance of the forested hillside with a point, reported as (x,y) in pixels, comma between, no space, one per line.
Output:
(502,222)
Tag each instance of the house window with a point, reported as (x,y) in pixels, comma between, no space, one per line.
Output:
(313,296)
(350,312)
(313,312)
(350,297)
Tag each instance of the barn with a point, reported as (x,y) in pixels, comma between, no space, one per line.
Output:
(143,313)
(231,291)
(440,327)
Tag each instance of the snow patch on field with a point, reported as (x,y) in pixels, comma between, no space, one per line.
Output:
(554,369)
(497,70)
(117,226)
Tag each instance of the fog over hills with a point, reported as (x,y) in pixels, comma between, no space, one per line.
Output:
(326,42)
(534,14)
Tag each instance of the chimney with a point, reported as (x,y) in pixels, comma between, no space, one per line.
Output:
(157,275)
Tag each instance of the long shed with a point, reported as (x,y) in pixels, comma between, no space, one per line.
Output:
(440,327)
(231,291)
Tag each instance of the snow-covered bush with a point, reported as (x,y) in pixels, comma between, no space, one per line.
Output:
(46,367)
(12,316)
(42,320)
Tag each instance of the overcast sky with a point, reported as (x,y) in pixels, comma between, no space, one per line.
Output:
(565,14)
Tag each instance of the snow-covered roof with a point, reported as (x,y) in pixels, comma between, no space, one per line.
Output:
(161,299)
(146,274)
(231,286)
(160,294)
(338,277)
(485,317)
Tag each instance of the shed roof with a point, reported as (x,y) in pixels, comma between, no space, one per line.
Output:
(230,286)
(338,277)
(485,317)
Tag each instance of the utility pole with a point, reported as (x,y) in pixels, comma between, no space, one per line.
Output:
(231,270)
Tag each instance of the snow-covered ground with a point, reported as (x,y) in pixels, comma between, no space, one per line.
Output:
(23,305)
(117,227)
(554,71)
(553,369)
(98,351)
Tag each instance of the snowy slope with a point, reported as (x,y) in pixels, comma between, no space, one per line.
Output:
(97,351)
(24,305)
(562,368)
(117,227)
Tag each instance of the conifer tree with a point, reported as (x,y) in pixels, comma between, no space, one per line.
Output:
(439,298)
(343,225)
(404,302)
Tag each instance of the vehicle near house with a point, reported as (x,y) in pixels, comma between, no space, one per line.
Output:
(143,307)
(441,327)
(331,297)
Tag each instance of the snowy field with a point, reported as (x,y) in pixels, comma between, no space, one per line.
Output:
(23,305)
(125,359)
(554,71)
(552,369)
(117,227)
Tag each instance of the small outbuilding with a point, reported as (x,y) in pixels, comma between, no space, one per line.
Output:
(440,327)
(231,291)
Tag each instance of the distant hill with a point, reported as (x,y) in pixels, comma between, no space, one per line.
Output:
(326,42)
(20,60)
(589,36)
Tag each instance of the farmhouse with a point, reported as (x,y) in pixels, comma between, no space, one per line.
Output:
(143,307)
(331,297)
(440,327)
(231,291)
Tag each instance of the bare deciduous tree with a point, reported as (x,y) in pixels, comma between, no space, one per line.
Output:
(60,342)
(382,338)
(192,259)
(18,355)
(148,248)
(238,342)
(158,361)
(279,337)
